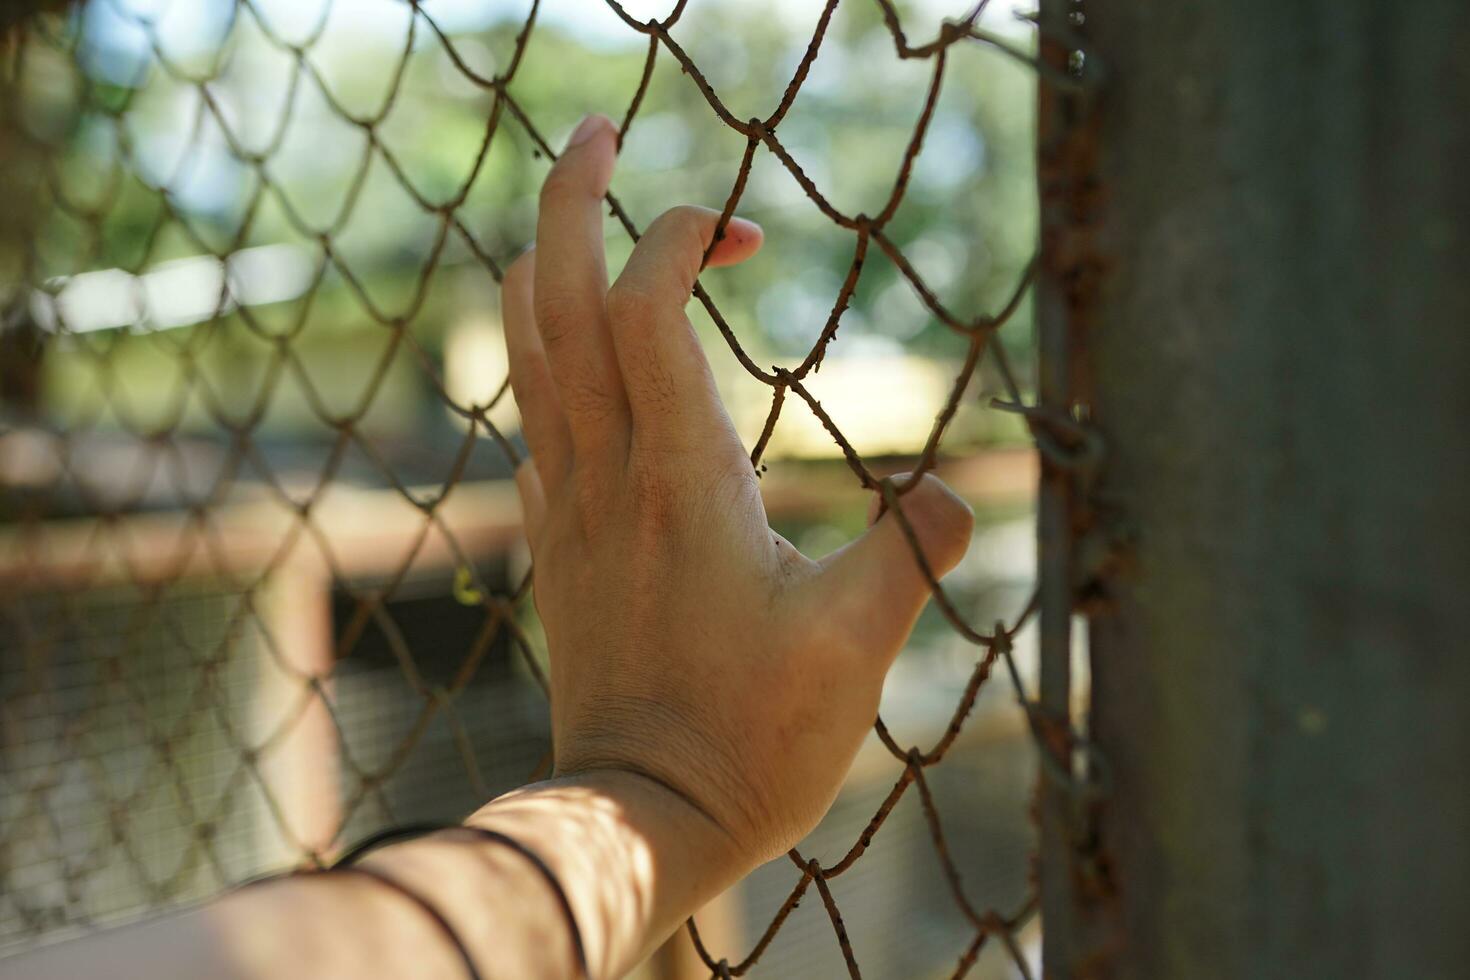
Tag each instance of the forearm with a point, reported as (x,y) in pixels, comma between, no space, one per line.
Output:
(633,860)
(302,926)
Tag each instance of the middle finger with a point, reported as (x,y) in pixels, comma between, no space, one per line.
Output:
(571,293)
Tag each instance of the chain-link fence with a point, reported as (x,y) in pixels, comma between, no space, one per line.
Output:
(228,648)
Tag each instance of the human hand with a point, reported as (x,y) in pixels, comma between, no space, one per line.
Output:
(689,643)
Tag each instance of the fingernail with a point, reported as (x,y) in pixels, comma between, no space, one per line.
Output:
(587,129)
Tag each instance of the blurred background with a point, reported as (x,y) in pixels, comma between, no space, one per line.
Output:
(261,578)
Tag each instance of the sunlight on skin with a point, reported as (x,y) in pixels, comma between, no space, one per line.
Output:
(643,858)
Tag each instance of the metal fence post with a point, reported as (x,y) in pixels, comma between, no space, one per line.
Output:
(1281,373)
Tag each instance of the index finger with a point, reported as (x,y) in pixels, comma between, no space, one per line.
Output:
(671,393)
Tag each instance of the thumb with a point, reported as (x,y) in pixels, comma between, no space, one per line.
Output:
(876,583)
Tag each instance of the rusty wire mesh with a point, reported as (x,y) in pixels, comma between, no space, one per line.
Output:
(208,575)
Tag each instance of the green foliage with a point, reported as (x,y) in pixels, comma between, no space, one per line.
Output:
(967,222)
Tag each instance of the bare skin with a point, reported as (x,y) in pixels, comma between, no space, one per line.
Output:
(710,684)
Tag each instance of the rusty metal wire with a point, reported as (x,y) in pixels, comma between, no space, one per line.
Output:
(242,569)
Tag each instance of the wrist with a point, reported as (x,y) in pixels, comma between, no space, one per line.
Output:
(634,857)
(661,808)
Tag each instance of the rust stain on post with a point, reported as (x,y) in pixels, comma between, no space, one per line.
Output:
(1075,884)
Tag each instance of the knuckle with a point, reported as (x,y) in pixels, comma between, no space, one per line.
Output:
(687,217)
(630,304)
(685,232)
(949,519)
(562,183)
(556,317)
(690,226)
